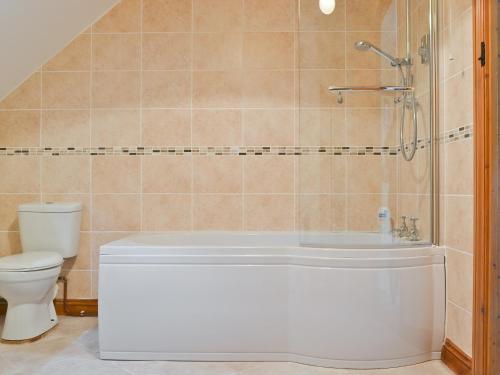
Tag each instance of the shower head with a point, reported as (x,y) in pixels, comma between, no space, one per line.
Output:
(363,45)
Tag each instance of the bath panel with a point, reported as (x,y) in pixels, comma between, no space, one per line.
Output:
(247,298)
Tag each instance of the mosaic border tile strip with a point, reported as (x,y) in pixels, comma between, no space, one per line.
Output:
(201,151)
(453,135)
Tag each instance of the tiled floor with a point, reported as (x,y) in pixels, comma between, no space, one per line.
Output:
(71,348)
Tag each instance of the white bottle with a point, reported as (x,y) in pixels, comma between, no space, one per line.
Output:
(384,221)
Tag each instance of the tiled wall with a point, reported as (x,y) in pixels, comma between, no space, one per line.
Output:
(456,85)
(133,116)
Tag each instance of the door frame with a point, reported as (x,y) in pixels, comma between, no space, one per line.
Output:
(484,186)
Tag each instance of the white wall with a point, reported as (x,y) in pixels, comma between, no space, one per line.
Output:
(33,31)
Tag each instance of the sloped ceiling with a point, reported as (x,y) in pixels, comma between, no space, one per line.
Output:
(33,31)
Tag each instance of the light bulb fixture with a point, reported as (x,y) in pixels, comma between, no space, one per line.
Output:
(327,6)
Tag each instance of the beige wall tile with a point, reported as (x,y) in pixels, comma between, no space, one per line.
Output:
(459,167)
(315,212)
(74,57)
(372,174)
(458,100)
(339,213)
(115,52)
(459,278)
(217,212)
(312,19)
(268,174)
(166,127)
(166,15)
(170,89)
(124,17)
(116,212)
(371,127)
(315,174)
(266,50)
(66,128)
(163,212)
(315,127)
(115,89)
(268,89)
(166,51)
(217,127)
(322,50)
(79,284)
(115,127)
(271,127)
(314,86)
(20,128)
(11,170)
(66,90)
(115,174)
(10,243)
(65,174)
(8,213)
(84,199)
(215,174)
(379,15)
(25,96)
(459,223)
(408,176)
(217,51)
(459,327)
(221,89)
(218,15)
(269,212)
(263,15)
(363,211)
(166,174)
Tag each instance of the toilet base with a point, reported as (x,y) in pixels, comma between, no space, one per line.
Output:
(28,321)
(27,341)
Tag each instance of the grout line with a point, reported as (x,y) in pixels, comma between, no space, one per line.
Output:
(91,197)
(141,158)
(192,160)
(459,307)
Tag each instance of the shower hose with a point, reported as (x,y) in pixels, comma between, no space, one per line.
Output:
(410,102)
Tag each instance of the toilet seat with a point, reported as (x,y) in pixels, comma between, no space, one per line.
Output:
(31,261)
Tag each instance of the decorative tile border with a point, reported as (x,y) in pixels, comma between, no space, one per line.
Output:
(453,135)
(450,136)
(202,151)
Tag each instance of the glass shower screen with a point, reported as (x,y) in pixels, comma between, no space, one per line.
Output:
(365,123)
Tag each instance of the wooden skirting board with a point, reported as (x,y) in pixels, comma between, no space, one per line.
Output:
(453,357)
(74,307)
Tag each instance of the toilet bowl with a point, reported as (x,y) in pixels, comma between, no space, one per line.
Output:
(49,233)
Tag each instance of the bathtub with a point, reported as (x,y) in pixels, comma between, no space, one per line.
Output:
(265,297)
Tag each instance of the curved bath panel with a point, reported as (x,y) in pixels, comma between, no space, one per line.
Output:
(207,297)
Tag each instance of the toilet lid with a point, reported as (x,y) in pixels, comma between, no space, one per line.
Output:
(32,261)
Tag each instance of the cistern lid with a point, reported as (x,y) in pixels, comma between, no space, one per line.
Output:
(50,207)
(32,261)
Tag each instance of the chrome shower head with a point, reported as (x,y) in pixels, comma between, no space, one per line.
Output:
(363,45)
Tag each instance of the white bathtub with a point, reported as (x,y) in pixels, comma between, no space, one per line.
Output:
(263,297)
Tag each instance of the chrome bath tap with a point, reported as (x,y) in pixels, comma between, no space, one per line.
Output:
(414,232)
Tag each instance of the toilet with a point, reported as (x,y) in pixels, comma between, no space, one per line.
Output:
(50,233)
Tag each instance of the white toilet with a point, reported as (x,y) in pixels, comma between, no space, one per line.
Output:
(50,232)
